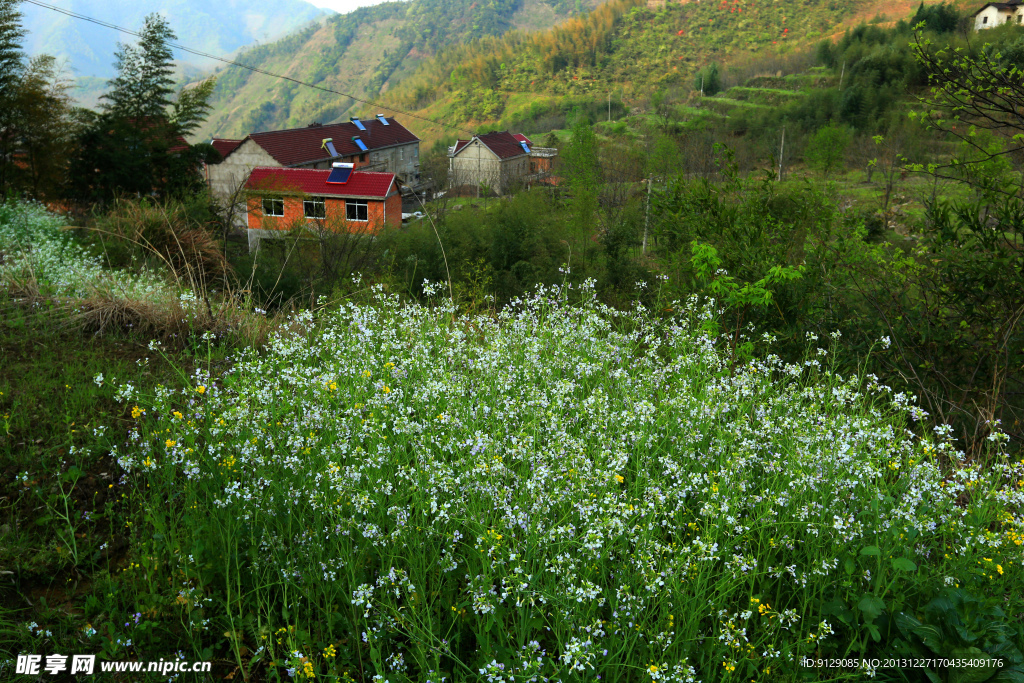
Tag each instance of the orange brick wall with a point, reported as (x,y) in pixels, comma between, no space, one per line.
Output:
(394,210)
(379,214)
(540,164)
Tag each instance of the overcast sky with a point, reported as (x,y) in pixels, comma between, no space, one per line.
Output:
(344,6)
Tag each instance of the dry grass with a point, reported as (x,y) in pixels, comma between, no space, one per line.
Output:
(168,231)
(183,308)
(231,320)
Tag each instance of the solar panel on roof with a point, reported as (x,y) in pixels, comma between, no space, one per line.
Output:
(359,143)
(384,121)
(359,124)
(525,147)
(329,146)
(340,174)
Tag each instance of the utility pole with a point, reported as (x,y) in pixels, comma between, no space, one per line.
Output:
(841,74)
(702,85)
(609,106)
(782,148)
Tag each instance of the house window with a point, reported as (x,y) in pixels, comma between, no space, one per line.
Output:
(362,157)
(356,210)
(273,207)
(401,153)
(984,20)
(314,207)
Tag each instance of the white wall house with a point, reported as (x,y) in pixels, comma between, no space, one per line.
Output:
(998,13)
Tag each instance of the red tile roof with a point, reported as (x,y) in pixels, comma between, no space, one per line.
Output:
(225,146)
(522,138)
(311,181)
(303,145)
(503,144)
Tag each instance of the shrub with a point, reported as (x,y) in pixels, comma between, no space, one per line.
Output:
(409,494)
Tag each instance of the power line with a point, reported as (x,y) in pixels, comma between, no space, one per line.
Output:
(254,69)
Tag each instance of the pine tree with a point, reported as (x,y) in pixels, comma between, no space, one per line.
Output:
(137,144)
(144,85)
(12,64)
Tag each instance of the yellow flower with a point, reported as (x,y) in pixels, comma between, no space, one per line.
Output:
(137,411)
(177,414)
(201,389)
(999,568)
(170,444)
(653,668)
(387,390)
(619,478)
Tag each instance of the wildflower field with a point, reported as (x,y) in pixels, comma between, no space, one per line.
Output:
(559,491)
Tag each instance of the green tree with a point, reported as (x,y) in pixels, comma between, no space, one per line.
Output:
(36,115)
(708,80)
(940,18)
(826,150)
(144,84)
(582,173)
(137,145)
(11,65)
(45,121)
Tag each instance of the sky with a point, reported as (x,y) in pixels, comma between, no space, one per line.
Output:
(343,6)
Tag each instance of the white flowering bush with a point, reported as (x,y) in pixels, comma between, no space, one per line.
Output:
(564,492)
(41,260)
(37,252)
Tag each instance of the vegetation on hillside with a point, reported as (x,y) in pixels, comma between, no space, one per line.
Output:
(623,45)
(701,405)
(359,52)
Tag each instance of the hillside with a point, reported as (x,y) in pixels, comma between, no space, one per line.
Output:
(364,52)
(625,51)
(215,27)
(626,46)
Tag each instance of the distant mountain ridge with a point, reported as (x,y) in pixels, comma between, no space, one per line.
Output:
(362,53)
(219,28)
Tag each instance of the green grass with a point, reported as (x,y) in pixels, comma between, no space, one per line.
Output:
(754,93)
(65,517)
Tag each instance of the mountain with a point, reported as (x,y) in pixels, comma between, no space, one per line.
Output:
(631,47)
(363,53)
(624,52)
(218,28)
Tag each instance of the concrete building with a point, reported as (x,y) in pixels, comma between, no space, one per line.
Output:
(499,161)
(495,161)
(998,13)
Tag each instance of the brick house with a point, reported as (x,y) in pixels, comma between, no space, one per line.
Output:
(997,13)
(378,144)
(541,158)
(342,198)
(501,161)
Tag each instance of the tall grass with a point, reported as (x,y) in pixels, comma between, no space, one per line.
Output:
(561,492)
(174,297)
